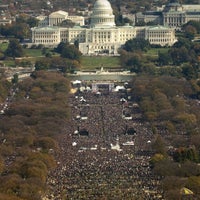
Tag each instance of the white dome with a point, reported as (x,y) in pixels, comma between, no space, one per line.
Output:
(102,4)
(102,14)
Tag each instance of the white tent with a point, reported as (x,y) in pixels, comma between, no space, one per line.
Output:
(76,82)
(74,144)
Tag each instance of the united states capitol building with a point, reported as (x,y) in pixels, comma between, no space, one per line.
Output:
(102,36)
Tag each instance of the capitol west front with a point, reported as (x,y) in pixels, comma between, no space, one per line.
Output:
(102,35)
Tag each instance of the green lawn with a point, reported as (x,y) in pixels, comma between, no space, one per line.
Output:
(37,52)
(33,52)
(9,63)
(96,62)
(3,46)
(154,51)
(87,62)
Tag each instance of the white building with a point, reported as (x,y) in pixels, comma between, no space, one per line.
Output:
(102,36)
(55,18)
(173,14)
(47,35)
(159,35)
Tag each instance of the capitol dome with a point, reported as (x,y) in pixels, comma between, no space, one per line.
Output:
(102,4)
(102,14)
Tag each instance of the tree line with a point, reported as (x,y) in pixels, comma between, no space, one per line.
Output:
(28,133)
(166,104)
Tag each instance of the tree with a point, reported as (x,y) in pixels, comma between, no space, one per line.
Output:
(195,24)
(170,127)
(190,71)
(14,49)
(32,21)
(71,52)
(183,42)
(2,55)
(195,140)
(164,58)
(183,154)
(161,100)
(179,55)
(34,168)
(156,158)
(159,146)
(194,184)
(9,197)
(15,78)
(42,64)
(67,23)
(2,165)
(196,48)
(76,44)
(132,61)
(188,120)
(172,182)
(137,44)
(190,31)
(60,47)
(179,104)
(166,167)
(21,31)
(46,143)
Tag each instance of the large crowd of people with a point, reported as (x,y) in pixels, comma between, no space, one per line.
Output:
(105,151)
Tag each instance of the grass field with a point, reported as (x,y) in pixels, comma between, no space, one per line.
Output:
(9,63)
(32,52)
(27,52)
(154,51)
(3,46)
(87,62)
(96,62)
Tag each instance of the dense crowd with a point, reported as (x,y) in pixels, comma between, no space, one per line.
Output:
(104,154)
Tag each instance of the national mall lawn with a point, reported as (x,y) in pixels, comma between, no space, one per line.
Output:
(87,62)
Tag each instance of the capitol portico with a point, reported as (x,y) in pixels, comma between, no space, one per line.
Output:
(102,35)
